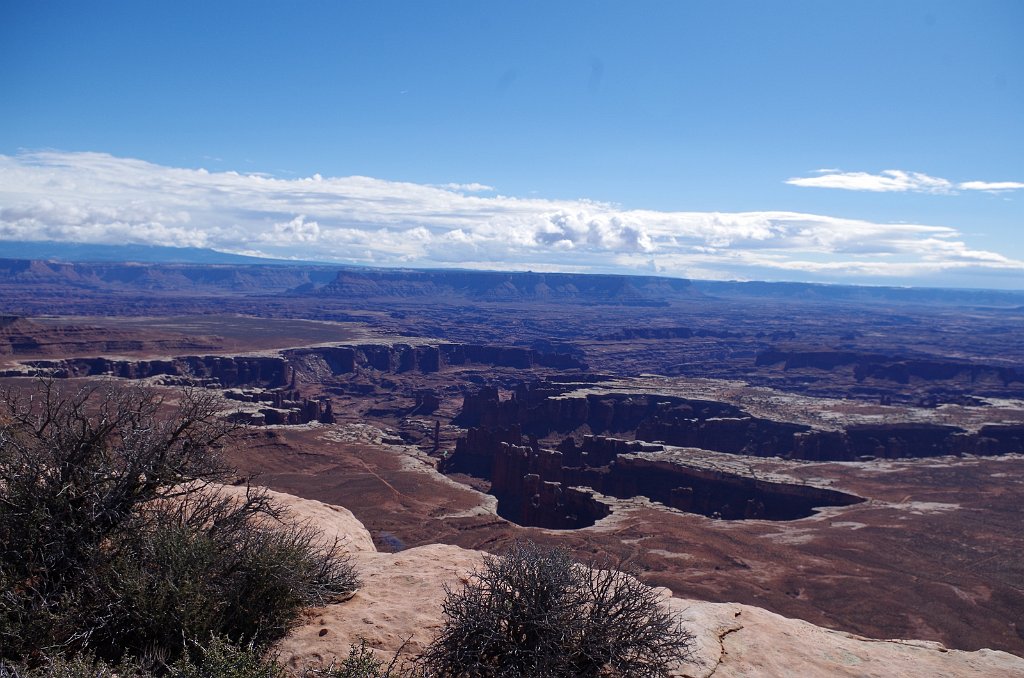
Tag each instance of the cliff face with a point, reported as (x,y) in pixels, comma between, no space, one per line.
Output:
(908,440)
(892,368)
(540,487)
(716,493)
(20,336)
(280,370)
(532,489)
(269,372)
(496,286)
(398,609)
(397,358)
(163,276)
(282,406)
(540,409)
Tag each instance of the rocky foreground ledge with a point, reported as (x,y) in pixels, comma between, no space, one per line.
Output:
(401,596)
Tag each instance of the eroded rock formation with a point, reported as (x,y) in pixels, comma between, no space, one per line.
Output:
(542,408)
(891,368)
(279,371)
(548,488)
(498,286)
(398,358)
(284,406)
(226,371)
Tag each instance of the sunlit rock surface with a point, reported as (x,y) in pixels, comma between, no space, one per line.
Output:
(399,607)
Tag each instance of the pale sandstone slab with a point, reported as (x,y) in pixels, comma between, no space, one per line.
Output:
(739,640)
(335,522)
(399,600)
(401,595)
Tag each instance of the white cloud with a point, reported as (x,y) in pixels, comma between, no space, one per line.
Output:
(97,198)
(472,187)
(298,230)
(899,181)
(887,181)
(992,186)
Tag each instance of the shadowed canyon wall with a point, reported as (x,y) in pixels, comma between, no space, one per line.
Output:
(281,370)
(541,409)
(553,488)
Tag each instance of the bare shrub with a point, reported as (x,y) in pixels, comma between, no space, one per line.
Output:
(535,612)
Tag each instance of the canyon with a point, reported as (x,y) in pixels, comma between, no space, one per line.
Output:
(844,456)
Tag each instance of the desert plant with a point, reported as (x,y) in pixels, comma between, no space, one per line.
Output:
(115,539)
(535,612)
(209,564)
(78,666)
(219,658)
(361,662)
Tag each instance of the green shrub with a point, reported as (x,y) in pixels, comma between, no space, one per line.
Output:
(535,612)
(221,659)
(190,574)
(218,658)
(79,666)
(361,662)
(115,542)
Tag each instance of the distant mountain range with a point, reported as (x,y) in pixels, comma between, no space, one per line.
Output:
(189,268)
(85,252)
(809,292)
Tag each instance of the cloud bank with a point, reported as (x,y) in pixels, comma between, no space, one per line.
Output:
(98,198)
(897,181)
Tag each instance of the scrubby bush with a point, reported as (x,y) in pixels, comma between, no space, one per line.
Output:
(361,662)
(115,541)
(211,565)
(79,666)
(535,612)
(218,658)
(221,659)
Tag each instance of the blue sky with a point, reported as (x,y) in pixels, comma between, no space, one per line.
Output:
(684,138)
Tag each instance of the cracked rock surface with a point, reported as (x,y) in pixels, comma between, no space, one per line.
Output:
(741,640)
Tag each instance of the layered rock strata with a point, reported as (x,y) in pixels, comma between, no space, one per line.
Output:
(543,408)
(280,371)
(549,488)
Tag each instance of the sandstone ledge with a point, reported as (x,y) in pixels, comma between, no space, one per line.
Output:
(739,640)
(334,522)
(400,602)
